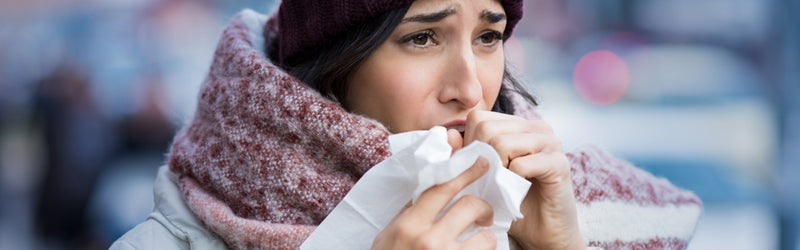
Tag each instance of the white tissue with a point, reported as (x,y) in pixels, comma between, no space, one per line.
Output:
(420,160)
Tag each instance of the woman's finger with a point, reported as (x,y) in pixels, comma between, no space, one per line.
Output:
(481,126)
(483,239)
(477,117)
(435,198)
(466,211)
(406,207)
(546,168)
(512,146)
(455,140)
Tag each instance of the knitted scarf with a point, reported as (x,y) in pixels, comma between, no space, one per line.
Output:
(266,158)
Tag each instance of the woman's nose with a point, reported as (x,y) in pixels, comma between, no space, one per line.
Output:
(460,80)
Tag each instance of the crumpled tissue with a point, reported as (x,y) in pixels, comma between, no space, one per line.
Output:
(420,159)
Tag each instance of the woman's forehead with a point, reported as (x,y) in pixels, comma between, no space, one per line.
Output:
(453,6)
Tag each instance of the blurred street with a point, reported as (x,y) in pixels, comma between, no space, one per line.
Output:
(703,93)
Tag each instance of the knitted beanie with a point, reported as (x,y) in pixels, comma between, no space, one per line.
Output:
(305,25)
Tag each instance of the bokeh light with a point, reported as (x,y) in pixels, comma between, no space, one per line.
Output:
(601,77)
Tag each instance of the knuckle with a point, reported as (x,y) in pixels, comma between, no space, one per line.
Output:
(552,143)
(405,230)
(519,167)
(473,203)
(496,142)
(475,115)
(514,165)
(472,115)
(470,202)
(482,129)
(428,241)
(547,128)
(555,142)
(542,126)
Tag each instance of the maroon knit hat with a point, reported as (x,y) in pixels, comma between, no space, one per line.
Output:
(306,24)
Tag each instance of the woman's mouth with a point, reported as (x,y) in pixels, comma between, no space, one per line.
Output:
(457,125)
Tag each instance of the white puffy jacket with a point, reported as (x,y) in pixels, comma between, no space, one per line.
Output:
(171,225)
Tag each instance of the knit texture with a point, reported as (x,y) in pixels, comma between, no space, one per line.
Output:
(266,158)
(306,25)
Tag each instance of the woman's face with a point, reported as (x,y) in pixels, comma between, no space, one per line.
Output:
(443,60)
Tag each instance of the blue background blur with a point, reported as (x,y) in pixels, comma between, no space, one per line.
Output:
(91,92)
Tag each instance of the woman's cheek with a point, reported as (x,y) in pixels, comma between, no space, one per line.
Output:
(490,73)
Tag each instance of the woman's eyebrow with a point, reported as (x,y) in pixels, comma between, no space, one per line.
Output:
(492,17)
(430,17)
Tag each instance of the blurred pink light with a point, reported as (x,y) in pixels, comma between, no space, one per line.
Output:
(601,77)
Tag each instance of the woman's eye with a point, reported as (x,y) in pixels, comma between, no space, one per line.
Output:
(421,40)
(489,38)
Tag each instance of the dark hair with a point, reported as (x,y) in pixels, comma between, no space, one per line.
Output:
(328,68)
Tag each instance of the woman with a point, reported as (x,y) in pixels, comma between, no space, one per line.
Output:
(281,134)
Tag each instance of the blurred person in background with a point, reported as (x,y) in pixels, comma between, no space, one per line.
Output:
(290,116)
(79,141)
(87,117)
(149,128)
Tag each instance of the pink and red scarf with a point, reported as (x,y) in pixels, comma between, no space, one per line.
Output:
(266,158)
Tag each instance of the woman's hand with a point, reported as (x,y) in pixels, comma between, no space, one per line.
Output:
(530,149)
(416,227)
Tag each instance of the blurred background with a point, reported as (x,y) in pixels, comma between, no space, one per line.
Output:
(700,92)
